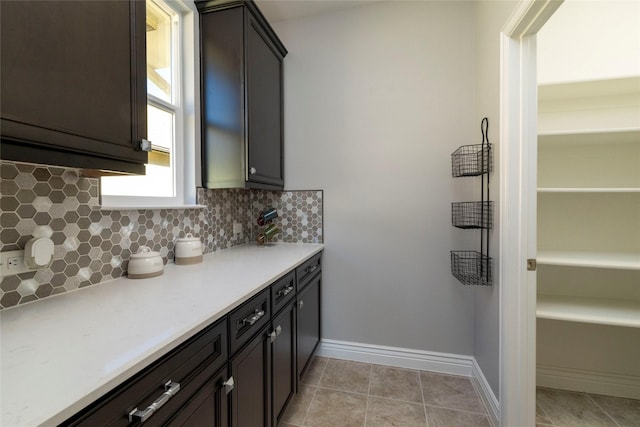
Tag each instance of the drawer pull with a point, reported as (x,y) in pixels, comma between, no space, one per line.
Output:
(311,269)
(229,385)
(257,315)
(170,390)
(286,291)
(301,304)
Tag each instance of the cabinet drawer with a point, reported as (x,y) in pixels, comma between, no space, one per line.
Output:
(307,270)
(181,366)
(283,291)
(248,319)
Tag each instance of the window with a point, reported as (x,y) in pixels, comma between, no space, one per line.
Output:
(170,51)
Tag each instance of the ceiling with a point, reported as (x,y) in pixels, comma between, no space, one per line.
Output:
(281,10)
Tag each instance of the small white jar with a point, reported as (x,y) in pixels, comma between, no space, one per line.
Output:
(188,250)
(144,264)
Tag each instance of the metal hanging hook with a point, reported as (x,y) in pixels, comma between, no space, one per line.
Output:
(484,127)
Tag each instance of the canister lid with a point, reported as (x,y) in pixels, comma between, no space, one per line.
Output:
(188,238)
(145,252)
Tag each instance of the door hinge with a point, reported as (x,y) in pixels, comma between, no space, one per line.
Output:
(532,264)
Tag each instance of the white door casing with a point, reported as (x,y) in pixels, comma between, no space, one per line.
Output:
(518,193)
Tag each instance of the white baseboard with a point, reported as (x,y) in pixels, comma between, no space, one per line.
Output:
(588,381)
(486,394)
(444,363)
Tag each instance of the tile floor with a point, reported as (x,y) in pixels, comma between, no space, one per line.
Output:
(561,408)
(339,393)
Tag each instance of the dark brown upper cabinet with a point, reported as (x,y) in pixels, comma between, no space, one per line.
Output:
(242,97)
(73,83)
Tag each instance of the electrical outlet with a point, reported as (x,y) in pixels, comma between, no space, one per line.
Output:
(12,263)
(15,262)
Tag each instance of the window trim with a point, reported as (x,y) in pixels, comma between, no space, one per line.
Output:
(186,107)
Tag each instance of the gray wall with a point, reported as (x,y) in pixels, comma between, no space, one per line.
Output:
(377,97)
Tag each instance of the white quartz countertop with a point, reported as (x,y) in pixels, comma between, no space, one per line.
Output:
(60,354)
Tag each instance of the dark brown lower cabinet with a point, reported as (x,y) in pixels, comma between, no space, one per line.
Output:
(209,407)
(242,371)
(284,359)
(251,397)
(264,373)
(308,322)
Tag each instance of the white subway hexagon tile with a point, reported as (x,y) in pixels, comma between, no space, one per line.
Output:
(28,287)
(70,176)
(116,261)
(71,283)
(106,221)
(42,204)
(95,253)
(25,226)
(25,180)
(70,204)
(71,243)
(57,210)
(71,230)
(96,228)
(42,231)
(84,274)
(44,275)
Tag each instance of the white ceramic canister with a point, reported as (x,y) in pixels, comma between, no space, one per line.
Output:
(188,250)
(144,264)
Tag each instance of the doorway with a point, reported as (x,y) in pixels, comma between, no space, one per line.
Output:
(518,212)
(588,228)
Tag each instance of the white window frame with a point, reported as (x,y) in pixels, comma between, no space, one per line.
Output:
(186,108)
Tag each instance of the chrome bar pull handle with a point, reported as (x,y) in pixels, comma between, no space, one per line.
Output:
(311,269)
(301,304)
(272,337)
(286,291)
(278,330)
(170,390)
(257,315)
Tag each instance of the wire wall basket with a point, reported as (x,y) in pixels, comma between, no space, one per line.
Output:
(472,214)
(472,268)
(471,160)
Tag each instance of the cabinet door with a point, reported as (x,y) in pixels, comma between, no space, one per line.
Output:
(251,370)
(222,97)
(73,83)
(207,408)
(284,372)
(264,108)
(308,322)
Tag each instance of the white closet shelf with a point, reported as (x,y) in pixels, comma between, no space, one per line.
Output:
(601,311)
(593,88)
(588,190)
(614,260)
(591,136)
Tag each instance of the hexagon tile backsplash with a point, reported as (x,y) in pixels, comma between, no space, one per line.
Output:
(94,245)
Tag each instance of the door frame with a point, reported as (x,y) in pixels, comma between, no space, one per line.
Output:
(518,193)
